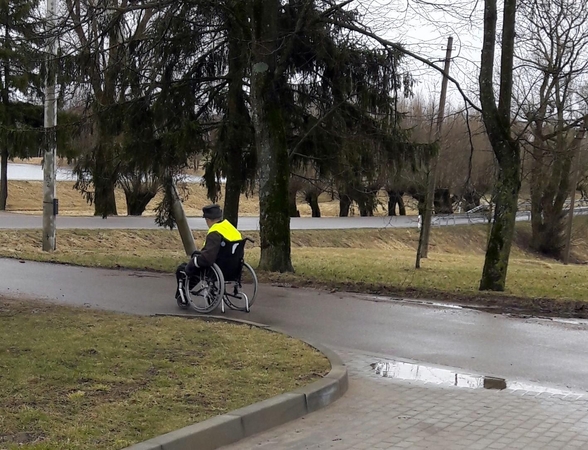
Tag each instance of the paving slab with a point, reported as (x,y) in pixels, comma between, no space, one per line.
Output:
(385,413)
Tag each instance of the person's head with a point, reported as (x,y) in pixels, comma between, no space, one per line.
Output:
(212,214)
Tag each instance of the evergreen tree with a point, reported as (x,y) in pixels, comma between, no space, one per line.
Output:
(222,75)
(20,117)
(322,98)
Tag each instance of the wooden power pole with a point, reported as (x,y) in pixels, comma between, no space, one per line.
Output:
(423,249)
(50,122)
(182,221)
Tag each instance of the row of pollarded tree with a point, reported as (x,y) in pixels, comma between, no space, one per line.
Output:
(466,172)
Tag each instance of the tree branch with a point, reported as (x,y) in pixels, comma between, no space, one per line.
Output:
(507,58)
(392,45)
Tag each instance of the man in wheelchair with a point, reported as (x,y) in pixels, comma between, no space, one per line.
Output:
(220,231)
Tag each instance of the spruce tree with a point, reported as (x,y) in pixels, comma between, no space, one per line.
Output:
(20,111)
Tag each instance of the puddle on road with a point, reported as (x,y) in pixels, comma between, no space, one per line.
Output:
(383,299)
(401,370)
(427,374)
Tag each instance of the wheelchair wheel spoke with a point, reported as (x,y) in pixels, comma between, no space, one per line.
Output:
(206,295)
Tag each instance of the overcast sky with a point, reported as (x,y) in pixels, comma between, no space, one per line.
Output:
(423,28)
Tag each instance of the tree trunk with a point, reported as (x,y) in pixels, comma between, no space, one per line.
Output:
(274,169)
(497,120)
(575,160)
(236,115)
(548,238)
(104,198)
(401,205)
(365,210)
(392,202)
(550,181)
(233,187)
(420,198)
(442,202)
(104,178)
(292,206)
(537,178)
(139,189)
(366,199)
(268,121)
(312,199)
(547,206)
(344,205)
(395,198)
(137,202)
(4,177)
(503,227)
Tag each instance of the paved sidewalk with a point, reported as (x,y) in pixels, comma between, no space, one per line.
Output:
(383,413)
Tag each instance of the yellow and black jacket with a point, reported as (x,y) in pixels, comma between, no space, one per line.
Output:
(218,234)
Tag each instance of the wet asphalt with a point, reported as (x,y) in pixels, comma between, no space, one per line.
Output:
(532,349)
(26,221)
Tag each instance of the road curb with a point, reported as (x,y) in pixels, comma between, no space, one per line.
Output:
(261,416)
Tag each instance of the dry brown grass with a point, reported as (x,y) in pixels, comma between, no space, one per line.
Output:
(26,197)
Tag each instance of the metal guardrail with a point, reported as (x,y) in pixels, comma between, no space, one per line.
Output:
(441,219)
(478,209)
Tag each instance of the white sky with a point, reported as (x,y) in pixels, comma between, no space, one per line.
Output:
(423,28)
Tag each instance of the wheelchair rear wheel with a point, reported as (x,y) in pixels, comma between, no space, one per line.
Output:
(241,295)
(205,295)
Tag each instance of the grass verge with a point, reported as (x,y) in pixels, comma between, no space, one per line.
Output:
(72,378)
(377,261)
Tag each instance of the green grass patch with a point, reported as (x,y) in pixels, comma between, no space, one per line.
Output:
(73,378)
(449,273)
(374,260)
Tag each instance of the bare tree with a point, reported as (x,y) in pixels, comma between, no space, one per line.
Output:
(497,117)
(467,165)
(553,42)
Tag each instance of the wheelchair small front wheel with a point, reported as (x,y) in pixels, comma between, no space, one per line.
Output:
(181,304)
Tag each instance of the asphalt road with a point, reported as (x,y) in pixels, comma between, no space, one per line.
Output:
(544,351)
(22,221)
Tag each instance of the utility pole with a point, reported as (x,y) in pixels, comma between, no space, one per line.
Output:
(423,248)
(182,220)
(50,121)
(577,147)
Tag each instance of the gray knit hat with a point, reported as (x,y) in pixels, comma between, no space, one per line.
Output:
(212,212)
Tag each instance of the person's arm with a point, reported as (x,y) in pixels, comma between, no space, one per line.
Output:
(209,252)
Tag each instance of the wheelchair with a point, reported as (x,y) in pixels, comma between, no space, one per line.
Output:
(230,282)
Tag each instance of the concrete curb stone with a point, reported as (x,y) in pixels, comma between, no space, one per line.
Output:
(241,423)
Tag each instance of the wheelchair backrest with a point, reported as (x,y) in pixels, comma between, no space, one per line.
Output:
(230,259)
